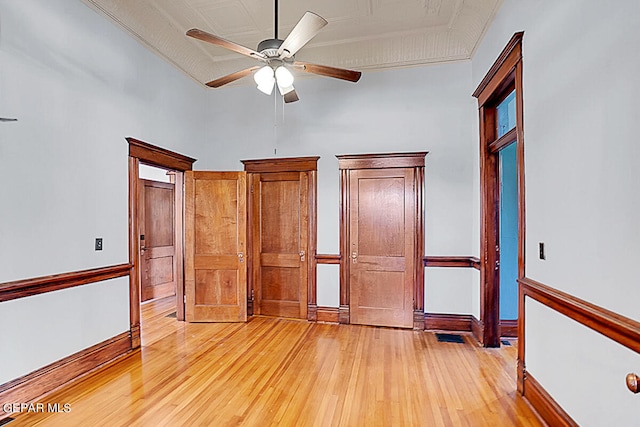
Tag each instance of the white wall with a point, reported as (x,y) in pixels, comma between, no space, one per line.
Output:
(583,370)
(415,109)
(581,112)
(78,86)
(77,319)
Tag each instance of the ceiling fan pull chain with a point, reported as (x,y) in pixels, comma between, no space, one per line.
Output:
(275,123)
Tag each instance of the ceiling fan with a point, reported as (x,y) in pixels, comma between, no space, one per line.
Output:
(278,56)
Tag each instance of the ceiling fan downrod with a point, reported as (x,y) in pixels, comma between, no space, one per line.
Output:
(275,19)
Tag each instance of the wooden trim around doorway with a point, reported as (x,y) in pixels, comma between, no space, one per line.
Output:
(349,162)
(143,152)
(504,76)
(510,55)
(285,164)
(381,161)
(282,165)
(156,156)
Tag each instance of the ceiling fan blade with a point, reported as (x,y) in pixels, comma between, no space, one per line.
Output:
(291,97)
(324,70)
(308,26)
(219,41)
(231,77)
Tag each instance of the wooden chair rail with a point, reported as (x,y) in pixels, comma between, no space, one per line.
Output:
(619,328)
(40,285)
(451,261)
(328,258)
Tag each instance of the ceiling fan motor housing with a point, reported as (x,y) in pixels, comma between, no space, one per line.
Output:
(269,47)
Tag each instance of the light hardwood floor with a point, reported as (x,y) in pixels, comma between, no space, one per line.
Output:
(277,372)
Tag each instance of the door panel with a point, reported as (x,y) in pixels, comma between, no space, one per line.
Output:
(374,297)
(280,239)
(280,208)
(280,284)
(158,279)
(380,207)
(224,293)
(381,240)
(215,224)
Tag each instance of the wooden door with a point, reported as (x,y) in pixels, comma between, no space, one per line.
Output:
(215,236)
(280,243)
(157,246)
(382,230)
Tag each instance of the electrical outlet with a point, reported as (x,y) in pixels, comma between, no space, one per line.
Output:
(98,243)
(541,250)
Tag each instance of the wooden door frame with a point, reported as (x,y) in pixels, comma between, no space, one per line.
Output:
(349,162)
(504,76)
(285,164)
(143,152)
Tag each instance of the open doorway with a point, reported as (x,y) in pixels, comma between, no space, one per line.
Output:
(157,223)
(141,154)
(502,207)
(508,220)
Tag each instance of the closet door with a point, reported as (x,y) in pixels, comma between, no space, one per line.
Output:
(280,243)
(282,236)
(215,239)
(382,230)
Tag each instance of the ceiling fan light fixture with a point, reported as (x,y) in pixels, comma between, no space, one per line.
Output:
(284,89)
(265,79)
(266,87)
(284,77)
(263,75)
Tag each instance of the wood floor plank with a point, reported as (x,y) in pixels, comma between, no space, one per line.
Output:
(282,372)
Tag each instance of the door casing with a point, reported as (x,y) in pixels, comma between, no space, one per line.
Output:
(308,167)
(382,228)
(347,163)
(143,152)
(504,76)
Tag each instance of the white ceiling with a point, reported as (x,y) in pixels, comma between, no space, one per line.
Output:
(361,34)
